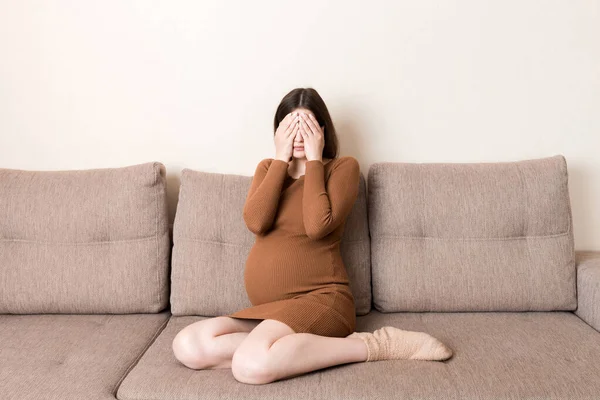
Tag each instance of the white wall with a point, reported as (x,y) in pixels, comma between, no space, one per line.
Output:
(90,84)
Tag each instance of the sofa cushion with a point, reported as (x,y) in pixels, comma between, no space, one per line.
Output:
(211,244)
(472,236)
(84,241)
(588,287)
(496,355)
(74,357)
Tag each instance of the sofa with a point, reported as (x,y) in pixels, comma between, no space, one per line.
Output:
(94,286)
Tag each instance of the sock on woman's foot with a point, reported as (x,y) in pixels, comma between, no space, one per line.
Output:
(389,343)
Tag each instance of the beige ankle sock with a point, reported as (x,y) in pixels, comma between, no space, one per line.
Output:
(389,343)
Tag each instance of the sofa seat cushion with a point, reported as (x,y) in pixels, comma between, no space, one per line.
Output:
(496,355)
(60,356)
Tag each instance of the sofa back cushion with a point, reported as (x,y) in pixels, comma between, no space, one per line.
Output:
(472,236)
(211,244)
(84,241)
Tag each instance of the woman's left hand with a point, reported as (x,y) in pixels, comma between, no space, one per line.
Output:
(313,137)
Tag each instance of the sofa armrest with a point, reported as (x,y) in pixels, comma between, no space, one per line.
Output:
(588,287)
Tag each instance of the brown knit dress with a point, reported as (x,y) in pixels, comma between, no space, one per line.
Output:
(294,272)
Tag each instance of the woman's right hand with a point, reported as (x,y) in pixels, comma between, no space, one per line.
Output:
(284,136)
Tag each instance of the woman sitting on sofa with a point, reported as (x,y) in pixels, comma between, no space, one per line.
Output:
(303,315)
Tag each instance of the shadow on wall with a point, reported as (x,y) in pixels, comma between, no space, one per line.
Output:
(580,197)
(173,184)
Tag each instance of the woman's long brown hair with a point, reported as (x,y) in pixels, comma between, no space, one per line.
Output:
(309,98)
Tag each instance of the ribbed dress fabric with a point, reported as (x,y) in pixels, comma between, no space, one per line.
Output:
(294,272)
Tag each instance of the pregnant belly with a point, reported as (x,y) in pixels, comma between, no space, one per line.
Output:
(276,271)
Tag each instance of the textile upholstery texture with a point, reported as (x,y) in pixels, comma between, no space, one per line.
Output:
(480,256)
(71,357)
(85,241)
(507,355)
(472,236)
(588,288)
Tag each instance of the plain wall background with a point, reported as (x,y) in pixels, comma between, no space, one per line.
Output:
(195,84)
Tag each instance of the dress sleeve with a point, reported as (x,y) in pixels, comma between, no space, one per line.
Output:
(262,200)
(326,206)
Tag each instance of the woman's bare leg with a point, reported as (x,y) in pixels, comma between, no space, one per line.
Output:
(272,351)
(304,352)
(210,343)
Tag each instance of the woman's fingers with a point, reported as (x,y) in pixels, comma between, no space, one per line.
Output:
(304,134)
(316,123)
(286,120)
(311,125)
(290,116)
(306,127)
(294,130)
(290,128)
(302,127)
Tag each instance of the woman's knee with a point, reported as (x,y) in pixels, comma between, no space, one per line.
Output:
(188,349)
(252,368)
(252,362)
(194,345)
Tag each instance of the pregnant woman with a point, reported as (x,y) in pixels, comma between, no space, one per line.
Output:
(303,315)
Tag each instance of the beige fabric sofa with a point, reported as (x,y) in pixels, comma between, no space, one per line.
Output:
(93,289)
